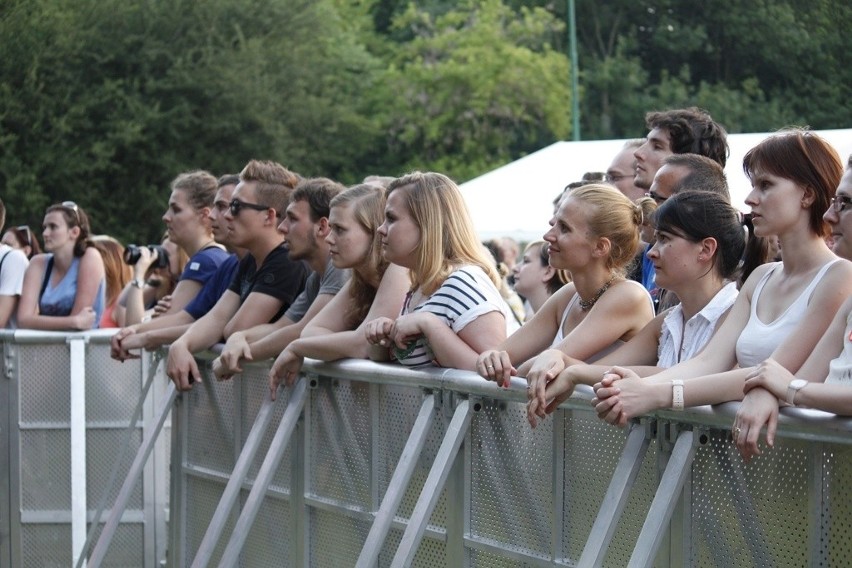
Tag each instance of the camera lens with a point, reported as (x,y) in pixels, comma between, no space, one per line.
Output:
(131,255)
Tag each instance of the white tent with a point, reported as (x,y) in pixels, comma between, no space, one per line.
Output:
(516,200)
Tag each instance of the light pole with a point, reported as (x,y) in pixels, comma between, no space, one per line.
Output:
(572,46)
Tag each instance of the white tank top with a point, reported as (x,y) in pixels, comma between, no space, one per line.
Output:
(758,340)
(840,369)
(606,350)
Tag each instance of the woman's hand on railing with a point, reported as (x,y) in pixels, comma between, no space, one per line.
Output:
(117,348)
(545,367)
(84,319)
(227,364)
(495,365)
(556,391)
(378,331)
(758,408)
(622,395)
(285,368)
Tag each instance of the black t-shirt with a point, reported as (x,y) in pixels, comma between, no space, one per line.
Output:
(278,277)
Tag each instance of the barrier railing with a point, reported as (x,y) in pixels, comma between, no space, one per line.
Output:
(66,409)
(375,464)
(365,464)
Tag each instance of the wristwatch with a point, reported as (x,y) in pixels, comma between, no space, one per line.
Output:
(677,394)
(795,386)
(137,283)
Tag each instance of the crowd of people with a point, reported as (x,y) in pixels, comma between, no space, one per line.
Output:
(649,286)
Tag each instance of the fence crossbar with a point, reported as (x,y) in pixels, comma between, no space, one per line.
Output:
(133,474)
(667,495)
(279,444)
(398,484)
(232,489)
(616,496)
(453,438)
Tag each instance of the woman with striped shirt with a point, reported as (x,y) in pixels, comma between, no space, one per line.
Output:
(453,310)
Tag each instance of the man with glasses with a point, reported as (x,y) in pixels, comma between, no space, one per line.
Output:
(305,227)
(837,216)
(622,171)
(267,280)
(13,264)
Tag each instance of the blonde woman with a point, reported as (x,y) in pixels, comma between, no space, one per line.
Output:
(594,235)
(376,288)
(453,310)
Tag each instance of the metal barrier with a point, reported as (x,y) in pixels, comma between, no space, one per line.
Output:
(382,465)
(66,409)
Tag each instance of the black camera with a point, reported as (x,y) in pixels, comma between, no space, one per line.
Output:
(132,255)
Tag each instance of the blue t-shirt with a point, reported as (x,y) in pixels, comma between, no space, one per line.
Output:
(59,300)
(213,288)
(204,264)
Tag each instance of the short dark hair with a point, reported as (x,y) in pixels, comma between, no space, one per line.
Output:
(318,193)
(696,215)
(692,131)
(704,174)
(227,179)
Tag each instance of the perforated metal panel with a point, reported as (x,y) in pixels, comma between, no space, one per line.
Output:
(398,409)
(591,449)
(202,497)
(270,541)
(511,479)
(45,389)
(101,452)
(335,540)
(431,553)
(750,516)
(108,386)
(836,512)
(255,388)
(45,465)
(46,546)
(128,547)
(340,448)
(211,434)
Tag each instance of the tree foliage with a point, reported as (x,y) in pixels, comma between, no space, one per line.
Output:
(105,101)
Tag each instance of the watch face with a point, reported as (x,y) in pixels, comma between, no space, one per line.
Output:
(798,383)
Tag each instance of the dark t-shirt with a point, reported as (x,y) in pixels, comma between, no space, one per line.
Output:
(278,277)
(213,288)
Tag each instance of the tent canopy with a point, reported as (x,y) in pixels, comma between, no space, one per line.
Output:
(516,200)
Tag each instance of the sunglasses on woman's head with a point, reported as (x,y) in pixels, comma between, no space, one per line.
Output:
(26,231)
(71,206)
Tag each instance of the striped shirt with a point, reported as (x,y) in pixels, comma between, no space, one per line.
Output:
(465,295)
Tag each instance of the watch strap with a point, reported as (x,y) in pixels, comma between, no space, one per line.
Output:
(677,394)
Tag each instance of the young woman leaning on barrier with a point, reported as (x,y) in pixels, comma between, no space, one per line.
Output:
(827,373)
(64,289)
(783,308)
(376,288)
(594,235)
(698,242)
(453,310)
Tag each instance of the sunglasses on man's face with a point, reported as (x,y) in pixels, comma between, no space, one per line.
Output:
(236,206)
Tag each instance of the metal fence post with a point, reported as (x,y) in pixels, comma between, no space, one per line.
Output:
(79,510)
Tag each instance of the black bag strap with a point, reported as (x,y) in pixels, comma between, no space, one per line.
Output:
(3,259)
(47,272)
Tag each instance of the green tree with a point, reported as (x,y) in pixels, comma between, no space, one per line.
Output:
(474,88)
(105,102)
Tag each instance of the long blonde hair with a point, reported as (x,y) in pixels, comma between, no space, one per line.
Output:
(447,238)
(367,202)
